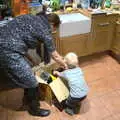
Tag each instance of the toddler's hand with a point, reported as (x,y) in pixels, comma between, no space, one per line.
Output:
(56,73)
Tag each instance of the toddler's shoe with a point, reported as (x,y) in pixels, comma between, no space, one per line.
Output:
(69,111)
(77,109)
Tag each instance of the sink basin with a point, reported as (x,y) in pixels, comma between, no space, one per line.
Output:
(74,24)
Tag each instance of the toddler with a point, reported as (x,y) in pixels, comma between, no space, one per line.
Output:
(77,85)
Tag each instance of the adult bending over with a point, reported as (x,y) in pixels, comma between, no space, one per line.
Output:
(16,37)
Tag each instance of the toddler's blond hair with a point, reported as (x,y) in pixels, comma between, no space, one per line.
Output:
(71,59)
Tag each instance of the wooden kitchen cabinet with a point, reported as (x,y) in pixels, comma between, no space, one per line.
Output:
(76,43)
(102,32)
(99,39)
(116,42)
(56,40)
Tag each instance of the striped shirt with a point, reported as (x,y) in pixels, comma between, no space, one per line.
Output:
(24,32)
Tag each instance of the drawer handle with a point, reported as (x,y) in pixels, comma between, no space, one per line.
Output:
(104,24)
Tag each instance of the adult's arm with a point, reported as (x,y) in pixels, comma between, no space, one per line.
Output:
(44,33)
(55,55)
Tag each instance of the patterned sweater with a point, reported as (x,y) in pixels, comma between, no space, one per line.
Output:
(24,32)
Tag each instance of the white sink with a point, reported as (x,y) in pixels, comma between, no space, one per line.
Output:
(74,24)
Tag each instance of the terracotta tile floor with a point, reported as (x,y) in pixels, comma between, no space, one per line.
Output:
(103,102)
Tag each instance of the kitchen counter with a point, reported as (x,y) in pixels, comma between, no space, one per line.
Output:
(89,13)
(101,34)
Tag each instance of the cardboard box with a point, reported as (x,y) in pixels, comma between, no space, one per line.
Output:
(56,88)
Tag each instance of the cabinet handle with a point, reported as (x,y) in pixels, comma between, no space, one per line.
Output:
(104,24)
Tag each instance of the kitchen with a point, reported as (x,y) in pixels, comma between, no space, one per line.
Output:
(93,34)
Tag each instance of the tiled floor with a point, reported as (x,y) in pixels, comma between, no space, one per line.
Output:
(103,102)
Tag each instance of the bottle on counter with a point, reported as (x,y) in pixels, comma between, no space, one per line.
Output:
(24,7)
(85,4)
(35,7)
(108,3)
(20,7)
(55,4)
(16,7)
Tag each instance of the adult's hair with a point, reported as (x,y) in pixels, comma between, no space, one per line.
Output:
(52,17)
(71,59)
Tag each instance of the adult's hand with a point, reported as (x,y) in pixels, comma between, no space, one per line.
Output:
(56,73)
(59,59)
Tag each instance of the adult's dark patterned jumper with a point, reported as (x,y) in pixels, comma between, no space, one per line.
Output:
(16,38)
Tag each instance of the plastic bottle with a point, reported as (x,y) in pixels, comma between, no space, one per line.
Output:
(20,7)
(35,7)
(16,7)
(108,3)
(24,8)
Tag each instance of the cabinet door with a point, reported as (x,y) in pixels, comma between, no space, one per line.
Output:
(102,32)
(101,41)
(116,42)
(116,46)
(75,44)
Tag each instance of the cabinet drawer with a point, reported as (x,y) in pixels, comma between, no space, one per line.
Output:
(104,18)
(102,26)
(99,18)
(103,22)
